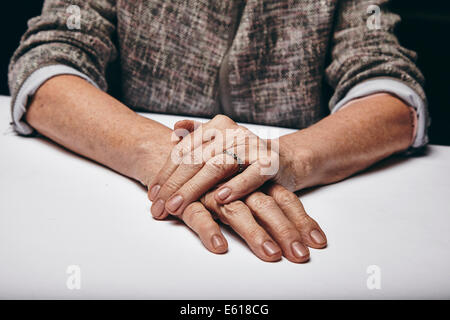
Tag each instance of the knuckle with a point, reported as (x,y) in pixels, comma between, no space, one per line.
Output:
(261,202)
(218,165)
(184,146)
(223,119)
(214,166)
(209,201)
(243,180)
(176,155)
(191,214)
(193,159)
(197,166)
(286,232)
(206,200)
(192,188)
(304,223)
(233,209)
(241,186)
(255,234)
(170,186)
(216,162)
(205,228)
(286,198)
(194,209)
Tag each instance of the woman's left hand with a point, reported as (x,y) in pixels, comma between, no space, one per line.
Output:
(207,155)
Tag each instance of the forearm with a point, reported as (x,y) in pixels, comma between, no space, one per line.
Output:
(348,141)
(82,118)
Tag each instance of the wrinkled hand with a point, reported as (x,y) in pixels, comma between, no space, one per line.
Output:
(207,155)
(272,221)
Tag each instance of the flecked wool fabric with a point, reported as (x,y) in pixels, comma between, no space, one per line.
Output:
(171,52)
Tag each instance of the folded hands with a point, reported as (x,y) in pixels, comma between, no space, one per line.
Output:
(222,170)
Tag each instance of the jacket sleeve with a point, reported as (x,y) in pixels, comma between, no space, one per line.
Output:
(365,47)
(55,38)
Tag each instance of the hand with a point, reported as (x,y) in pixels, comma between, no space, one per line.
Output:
(206,156)
(273,223)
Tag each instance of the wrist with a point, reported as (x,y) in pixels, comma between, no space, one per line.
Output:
(298,164)
(151,152)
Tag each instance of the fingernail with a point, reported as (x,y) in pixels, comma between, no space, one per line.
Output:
(299,249)
(270,248)
(157,208)
(174,203)
(224,193)
(217,242)
(154,192)
(317,236)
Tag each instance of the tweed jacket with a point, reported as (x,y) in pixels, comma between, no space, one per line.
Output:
(280,54)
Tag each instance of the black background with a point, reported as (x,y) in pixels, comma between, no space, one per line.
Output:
(278,309)
(425,28)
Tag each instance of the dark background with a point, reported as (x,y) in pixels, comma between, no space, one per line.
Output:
(425,28)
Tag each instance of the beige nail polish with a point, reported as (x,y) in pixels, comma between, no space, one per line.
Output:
(157,208)
(270,248)
(299,250)
(317,236)
(217,242)
(224,193)
(174,203)
(154,192)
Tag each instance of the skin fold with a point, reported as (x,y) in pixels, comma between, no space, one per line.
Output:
(270,218)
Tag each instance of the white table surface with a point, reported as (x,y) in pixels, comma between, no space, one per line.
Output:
(58,209)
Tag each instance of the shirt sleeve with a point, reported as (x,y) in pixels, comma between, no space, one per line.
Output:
(88,47)
(400,90)
(364,47)
(29,88)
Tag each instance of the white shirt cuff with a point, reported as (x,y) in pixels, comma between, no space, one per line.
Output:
(399,89)
(29,88)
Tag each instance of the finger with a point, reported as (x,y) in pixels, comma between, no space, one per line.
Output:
(206,135)
(164,173)
(202,132)
(240,218)
(180,153)
(272,218)
(189,125)
(246,182)
(200,221)
(312,234)
(202,135)
(190,166)
(214,171)
(162,176)
(181,175)
(218,122)
(174,183)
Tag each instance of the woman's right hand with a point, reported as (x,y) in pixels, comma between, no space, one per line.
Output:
(272,221)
